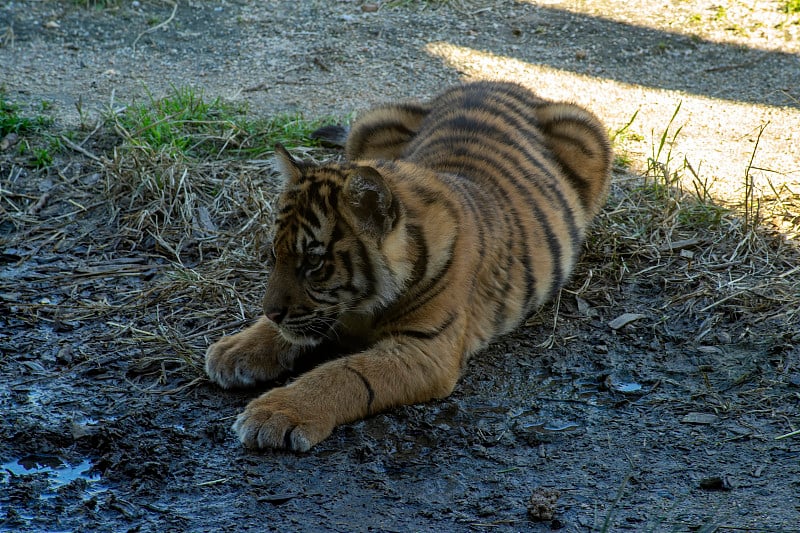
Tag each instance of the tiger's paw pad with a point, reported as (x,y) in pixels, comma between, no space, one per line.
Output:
(269,423)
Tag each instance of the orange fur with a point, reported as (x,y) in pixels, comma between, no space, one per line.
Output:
(449,224)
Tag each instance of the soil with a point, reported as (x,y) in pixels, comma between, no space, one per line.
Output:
(668,418)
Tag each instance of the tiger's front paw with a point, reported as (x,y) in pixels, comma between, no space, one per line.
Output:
(244,359)
(277,420)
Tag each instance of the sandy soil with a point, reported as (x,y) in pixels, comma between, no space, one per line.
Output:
(668,423)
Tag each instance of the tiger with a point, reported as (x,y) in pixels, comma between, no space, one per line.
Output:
(445,225)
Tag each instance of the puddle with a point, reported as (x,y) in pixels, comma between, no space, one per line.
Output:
(552,427)
(58,472)
(622,383)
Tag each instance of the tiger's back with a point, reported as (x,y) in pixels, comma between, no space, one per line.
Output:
(531,175)
(447,225)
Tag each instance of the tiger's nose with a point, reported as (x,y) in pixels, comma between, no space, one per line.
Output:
(276,315)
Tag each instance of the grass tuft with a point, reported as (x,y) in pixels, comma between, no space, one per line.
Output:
(192,174)
(12,121)
(190,180)
(791,6)
(664,229)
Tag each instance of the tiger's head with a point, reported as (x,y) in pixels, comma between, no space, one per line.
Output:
(333,226)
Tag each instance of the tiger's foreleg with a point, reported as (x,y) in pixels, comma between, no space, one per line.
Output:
(256,354)
(392,373)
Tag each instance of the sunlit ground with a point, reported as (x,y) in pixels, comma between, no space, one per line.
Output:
(759,24)
(718,138)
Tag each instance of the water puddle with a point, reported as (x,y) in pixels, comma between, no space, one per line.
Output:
(552,427)
(56,471)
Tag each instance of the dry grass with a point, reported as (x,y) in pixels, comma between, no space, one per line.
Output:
(706,261)
(204,206)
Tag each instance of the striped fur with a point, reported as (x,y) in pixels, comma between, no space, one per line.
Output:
(450,222)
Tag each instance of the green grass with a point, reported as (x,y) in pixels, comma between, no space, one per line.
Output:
(35,142)
(792,7)
(185,122)
(620,137)
(190,166)
(180,122)
(13,121)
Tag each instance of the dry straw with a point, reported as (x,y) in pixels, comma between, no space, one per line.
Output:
(188,229)
(704,260)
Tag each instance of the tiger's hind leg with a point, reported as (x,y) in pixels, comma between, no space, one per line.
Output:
(580,142)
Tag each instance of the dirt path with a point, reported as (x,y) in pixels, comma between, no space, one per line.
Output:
(669,423)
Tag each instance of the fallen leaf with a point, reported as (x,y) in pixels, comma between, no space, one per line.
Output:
(624,319)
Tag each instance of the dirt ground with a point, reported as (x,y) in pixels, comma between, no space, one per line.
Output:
(684,418)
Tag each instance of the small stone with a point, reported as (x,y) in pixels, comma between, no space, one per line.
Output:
(700,418)
(64,355)
(8,141)
(80,431)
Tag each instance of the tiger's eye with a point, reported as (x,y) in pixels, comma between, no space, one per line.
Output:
(313,263)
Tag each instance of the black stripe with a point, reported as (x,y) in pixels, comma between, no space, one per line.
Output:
(419,243)
(309,231)
(581,186)
(420,294)
(311,217)
(493,133)
(346,261)
(552,241)
(427,196)
(578,182)
(365,132)
(326,300)
(367,385)
(459,186)
(327,273)
(366,266)
(508,167)
(428,334)
(502,303)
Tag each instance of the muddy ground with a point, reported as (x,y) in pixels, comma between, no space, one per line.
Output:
(681,420)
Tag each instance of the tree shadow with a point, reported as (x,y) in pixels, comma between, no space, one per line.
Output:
(628,53)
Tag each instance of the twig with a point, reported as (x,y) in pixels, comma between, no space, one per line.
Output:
(787,435)
(620,492)
(8,37)
(39,205)
(80,149)
(212,482)
(157,26)
(724,68)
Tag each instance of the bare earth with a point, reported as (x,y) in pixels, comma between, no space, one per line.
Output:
(681,420)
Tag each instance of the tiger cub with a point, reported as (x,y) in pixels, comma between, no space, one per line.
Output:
(449,223)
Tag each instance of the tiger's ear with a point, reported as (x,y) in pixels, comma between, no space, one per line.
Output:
(371,200)
(287,165)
